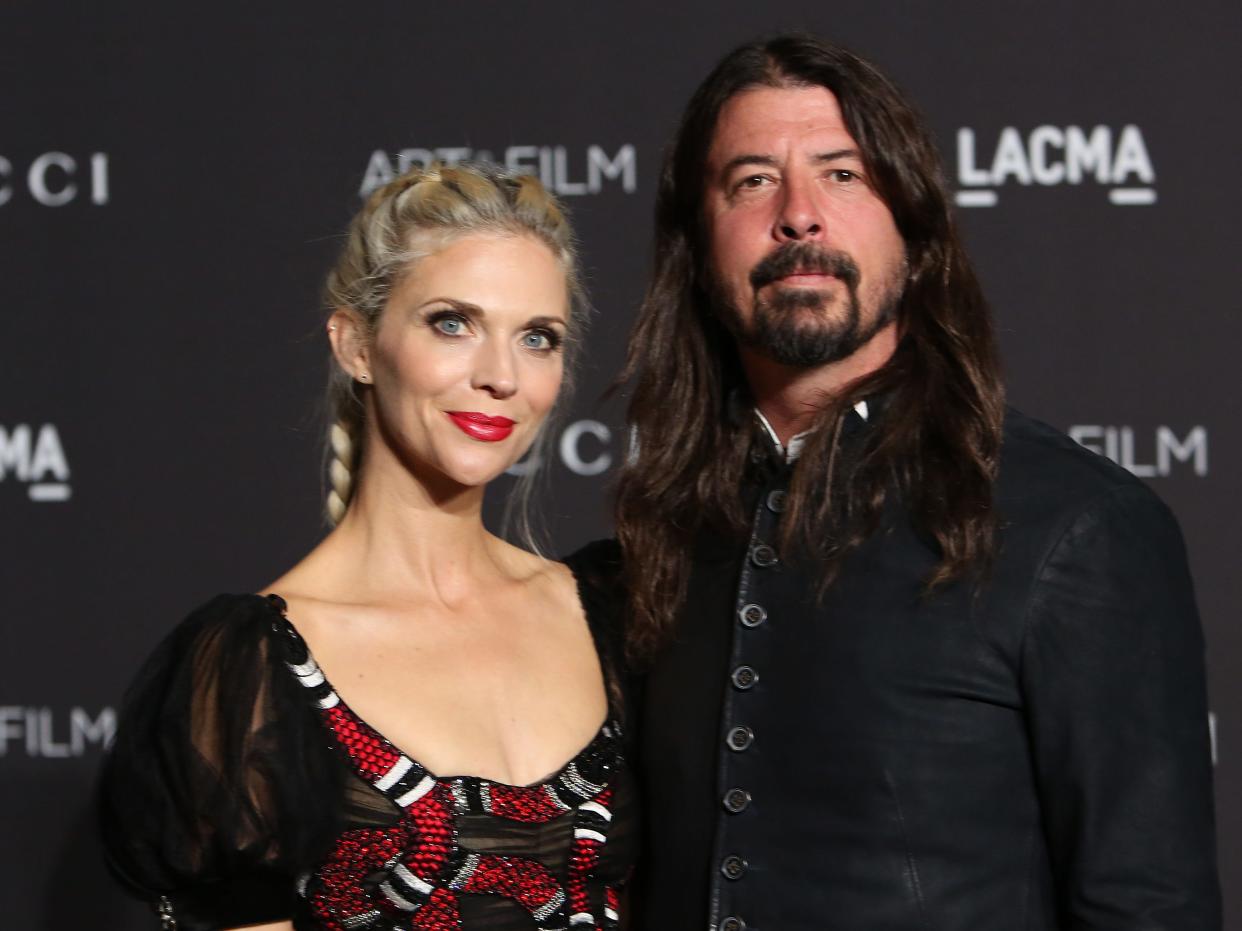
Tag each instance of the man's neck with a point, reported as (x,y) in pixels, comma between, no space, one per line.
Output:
(791,397)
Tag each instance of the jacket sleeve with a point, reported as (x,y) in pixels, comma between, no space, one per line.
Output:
(1113,674)
(199,794)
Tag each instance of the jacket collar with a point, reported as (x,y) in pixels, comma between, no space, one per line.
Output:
(788,453)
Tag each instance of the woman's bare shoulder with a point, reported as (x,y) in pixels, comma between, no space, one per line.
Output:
(550,578)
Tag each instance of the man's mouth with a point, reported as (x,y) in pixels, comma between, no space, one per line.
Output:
(805,265)
(805,276)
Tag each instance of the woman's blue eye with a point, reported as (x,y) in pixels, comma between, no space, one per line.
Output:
(537,341)
(450,325)
(542,340)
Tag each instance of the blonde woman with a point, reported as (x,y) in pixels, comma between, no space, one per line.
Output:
(417,725)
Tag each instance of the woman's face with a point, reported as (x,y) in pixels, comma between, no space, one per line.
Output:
(468,355)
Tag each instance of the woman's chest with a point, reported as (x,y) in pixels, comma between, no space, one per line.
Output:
(507,699)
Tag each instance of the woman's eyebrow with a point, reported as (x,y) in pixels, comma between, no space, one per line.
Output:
(475,312)
(464,307)
(546,320)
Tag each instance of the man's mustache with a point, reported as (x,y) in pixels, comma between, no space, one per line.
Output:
(794,257)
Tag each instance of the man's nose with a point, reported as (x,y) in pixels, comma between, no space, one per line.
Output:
(800,217)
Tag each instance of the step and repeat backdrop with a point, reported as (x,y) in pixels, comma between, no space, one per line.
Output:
(174,182)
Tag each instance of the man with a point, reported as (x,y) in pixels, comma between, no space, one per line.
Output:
(913,660)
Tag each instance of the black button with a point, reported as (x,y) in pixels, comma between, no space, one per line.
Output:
(731,924)
(736,800)
(744,677)
(776,501)
(740,737)
(733,867)
(764,556)
(752,615)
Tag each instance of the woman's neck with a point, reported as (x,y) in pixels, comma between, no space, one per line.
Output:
(404,539)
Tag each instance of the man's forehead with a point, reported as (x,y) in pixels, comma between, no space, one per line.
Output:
(765,118)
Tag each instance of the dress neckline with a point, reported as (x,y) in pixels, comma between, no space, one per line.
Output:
(604,733)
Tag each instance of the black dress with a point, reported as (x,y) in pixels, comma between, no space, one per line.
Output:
(241,790)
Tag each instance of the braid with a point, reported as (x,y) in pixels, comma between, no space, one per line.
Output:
(341,470)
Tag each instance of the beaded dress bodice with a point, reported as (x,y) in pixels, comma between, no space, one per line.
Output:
(432,853)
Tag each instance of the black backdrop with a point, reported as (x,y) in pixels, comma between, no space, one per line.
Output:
(173,182)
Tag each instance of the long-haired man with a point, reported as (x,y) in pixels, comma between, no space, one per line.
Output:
(914,660)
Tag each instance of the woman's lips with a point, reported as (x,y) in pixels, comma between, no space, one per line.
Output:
(483,427)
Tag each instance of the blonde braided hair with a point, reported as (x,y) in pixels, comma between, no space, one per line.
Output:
(407,219)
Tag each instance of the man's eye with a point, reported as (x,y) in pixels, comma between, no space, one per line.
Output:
(844,174)
(753,181)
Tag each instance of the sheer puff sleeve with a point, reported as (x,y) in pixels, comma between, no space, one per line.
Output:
(220,787)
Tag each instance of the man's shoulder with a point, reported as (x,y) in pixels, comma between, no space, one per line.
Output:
(1041,467)
(598,569)
(599,557)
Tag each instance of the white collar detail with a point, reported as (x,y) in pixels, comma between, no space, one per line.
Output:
(794,449)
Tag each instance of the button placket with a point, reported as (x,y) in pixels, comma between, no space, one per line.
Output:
(744,678)
(761,563)
(736,801)
(764,556)
(740,738)
(733,867)
(752,615)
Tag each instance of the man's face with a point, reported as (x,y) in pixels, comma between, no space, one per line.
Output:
(807,264)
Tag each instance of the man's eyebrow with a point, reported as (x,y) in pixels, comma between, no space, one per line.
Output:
(769,161)
(738,161)
(836,154)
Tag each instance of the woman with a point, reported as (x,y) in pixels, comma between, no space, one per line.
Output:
(244,789)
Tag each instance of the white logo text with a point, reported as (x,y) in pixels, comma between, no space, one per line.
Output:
(37,731)
(1054,155)
(563,173)
(55,179)
(1118,444)
(35,457)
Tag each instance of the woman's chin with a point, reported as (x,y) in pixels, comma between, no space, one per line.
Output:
(476,471)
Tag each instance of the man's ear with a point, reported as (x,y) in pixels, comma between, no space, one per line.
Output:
(350,343)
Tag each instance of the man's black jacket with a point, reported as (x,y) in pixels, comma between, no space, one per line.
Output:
(1036,757)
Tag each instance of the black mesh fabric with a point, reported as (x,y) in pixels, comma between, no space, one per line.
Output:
(217,791)
(223,785)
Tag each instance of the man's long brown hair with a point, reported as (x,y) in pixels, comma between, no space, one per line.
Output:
(936,440)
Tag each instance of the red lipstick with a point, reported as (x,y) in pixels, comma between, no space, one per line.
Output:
(483,427)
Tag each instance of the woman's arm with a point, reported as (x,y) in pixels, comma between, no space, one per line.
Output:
(191,816)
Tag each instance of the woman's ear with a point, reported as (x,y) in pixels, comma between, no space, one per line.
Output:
(348,336)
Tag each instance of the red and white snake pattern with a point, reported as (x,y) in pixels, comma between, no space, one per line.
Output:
(409,875)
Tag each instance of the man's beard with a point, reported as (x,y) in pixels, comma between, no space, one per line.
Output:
(798,326)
